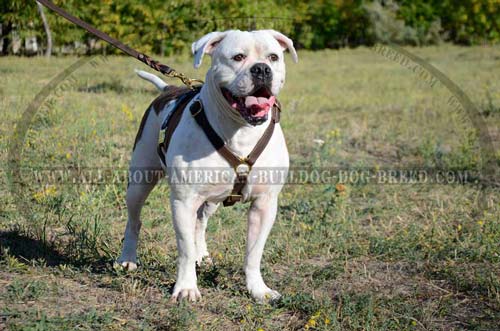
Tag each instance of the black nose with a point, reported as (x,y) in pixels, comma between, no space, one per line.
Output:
(261,72)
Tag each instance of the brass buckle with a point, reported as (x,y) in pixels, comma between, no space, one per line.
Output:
(234,197)
(161,137)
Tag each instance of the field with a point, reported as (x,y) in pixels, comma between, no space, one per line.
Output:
(356,256)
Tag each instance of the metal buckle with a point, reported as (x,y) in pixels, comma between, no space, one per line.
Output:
(161,137)
(242,169)
(234,197)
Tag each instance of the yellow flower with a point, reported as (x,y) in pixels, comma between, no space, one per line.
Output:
(480,223)
(327,321)
(459,227)
(68,156)
(311,323)
(48,192)
(305,227)
(126,110)
(334,133)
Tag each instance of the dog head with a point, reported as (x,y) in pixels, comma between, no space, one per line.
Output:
(248,67)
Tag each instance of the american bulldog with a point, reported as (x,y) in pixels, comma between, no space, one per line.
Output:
(246,75)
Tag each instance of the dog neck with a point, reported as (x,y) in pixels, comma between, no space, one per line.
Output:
(239,135)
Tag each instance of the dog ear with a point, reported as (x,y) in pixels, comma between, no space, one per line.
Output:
(285,42)
(206,45)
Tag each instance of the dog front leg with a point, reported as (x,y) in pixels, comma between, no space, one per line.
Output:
(204,212)
(184,218)
(260,221)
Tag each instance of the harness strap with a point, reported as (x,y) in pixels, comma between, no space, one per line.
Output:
(200,117)
(168,128)
(242,166)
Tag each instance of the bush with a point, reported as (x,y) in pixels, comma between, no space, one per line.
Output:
(166,27)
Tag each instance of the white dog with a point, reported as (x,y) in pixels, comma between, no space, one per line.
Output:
(247,72)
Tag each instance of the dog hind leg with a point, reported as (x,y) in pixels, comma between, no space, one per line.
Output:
(145,171)
(137,194)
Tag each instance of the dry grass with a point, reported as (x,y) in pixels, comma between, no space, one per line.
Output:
(370,257)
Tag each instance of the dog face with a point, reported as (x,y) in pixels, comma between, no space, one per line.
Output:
(248,67)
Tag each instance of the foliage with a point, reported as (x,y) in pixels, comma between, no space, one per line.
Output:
(169,27)
(466,21)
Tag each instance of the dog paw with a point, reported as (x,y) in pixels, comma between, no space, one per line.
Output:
(126,265)
(265,296)
(191,294)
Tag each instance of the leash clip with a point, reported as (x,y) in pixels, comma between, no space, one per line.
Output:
(189,82)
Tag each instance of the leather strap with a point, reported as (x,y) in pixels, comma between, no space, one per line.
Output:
(264,140)
(242,166)
(172,123)
(200,117)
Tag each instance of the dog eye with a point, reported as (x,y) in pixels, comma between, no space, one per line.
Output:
(273,57)
(239,57)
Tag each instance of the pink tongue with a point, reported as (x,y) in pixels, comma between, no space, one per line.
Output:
(259,106)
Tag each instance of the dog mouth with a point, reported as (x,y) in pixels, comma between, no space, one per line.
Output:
(254,108)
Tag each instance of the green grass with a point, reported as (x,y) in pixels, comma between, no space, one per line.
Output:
(370,257)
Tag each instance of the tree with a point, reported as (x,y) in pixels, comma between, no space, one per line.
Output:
(48,52)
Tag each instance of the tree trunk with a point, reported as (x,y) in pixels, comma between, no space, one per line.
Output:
(48,52)
(6,30)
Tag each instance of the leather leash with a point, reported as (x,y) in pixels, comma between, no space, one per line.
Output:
(163,68)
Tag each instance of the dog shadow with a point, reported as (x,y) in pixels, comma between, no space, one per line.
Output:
(29,250)
(26,249)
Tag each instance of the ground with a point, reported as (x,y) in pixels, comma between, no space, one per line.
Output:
(351,256)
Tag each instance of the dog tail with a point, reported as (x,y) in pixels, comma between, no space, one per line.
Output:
(157,81)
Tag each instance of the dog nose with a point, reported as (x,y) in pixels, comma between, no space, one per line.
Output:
(261,72)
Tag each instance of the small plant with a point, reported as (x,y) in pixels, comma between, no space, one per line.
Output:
(489,108)
(86,240)
(20,290)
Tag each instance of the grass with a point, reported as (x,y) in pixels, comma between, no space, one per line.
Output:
(362,256)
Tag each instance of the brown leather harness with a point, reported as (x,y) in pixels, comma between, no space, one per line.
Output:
(241,165)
